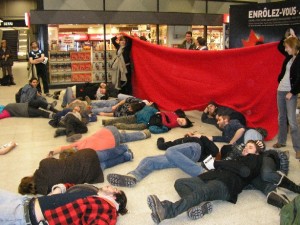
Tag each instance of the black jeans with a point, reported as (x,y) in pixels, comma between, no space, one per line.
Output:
(34,111)
(194,191)
(42,73)
(74,125)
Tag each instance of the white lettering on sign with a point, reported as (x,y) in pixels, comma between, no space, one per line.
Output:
(8,23)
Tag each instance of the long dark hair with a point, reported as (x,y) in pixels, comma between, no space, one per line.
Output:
(27,186)
(122,200)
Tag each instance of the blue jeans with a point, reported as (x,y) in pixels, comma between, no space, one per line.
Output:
(252,134)
(11,208)
(287,113)
(113,156)
(103,106)
(192,192)
(68,97)
(183,156)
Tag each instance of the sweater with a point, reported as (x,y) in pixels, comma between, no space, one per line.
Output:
(17,109)
(101,140)
(81,167)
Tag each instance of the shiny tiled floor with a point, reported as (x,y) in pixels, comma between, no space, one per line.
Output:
(35,140)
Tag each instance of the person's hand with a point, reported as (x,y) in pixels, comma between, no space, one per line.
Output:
(260,144)
(55,191)
(288,96)
(50,154)
(39,94)
(113,108)
(206,110)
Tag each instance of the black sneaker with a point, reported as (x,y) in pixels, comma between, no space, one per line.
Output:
(200,210)
(277,200)
(74,137)
(158,211)
(160,143)
(121,180)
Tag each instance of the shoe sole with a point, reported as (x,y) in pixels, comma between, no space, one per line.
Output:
(152,205)
(199,211)
(74,138)
(121,180)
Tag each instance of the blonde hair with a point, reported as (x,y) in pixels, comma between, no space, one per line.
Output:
(292,42)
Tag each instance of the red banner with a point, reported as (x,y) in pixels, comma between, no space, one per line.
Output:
(244,79)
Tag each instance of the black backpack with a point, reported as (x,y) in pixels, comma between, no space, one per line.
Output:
(18,95)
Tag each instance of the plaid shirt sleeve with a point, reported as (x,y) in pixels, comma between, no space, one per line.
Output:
(89,210)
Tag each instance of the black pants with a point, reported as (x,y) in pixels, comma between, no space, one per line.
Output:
(74,125)
(42,73)
(34,111)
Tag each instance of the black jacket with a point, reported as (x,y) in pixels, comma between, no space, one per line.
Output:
(294,71)
(235,174)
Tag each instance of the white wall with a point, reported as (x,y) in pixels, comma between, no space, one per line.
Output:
(14,9)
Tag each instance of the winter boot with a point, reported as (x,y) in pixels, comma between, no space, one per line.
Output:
(277,200)
(286,183)
(60,132)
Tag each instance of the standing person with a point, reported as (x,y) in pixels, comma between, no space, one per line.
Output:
(201,44)
(37,59)
(288,89)
(188,43)
(66,204)
(122,64)
(6,61)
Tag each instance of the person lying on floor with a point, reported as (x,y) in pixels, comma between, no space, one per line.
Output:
(149,117)
(183,153)
(29,109)
(210,114)
(76,167)
(74,125)
(108,107)
(126,107)
(223,181)
(105,138)
(234,132)
(83,202)
(274,170)
(80,91)
(7,147)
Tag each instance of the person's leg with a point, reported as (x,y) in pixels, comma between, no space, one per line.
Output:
(123,119)
(33,112)
(3,71)
(68,97)
(282,117)
(185,156)
(291,106)
(263,186)
(145,167)
(11,208)
(114,156)
(103,106)
(133,126)
(43,74)
(133,136)
(252,134)
(111,153)
(123,97)
(202,191)
(269,171)
(38,103)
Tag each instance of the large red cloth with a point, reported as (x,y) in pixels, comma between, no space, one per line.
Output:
(244,79)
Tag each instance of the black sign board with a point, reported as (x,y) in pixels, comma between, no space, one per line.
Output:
(262,23)
(12,23)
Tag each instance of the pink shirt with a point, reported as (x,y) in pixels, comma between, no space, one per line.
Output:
(101,140)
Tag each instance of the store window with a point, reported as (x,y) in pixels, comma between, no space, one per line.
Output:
(83,53)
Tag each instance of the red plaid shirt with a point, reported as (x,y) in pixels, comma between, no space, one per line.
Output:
(89,210)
